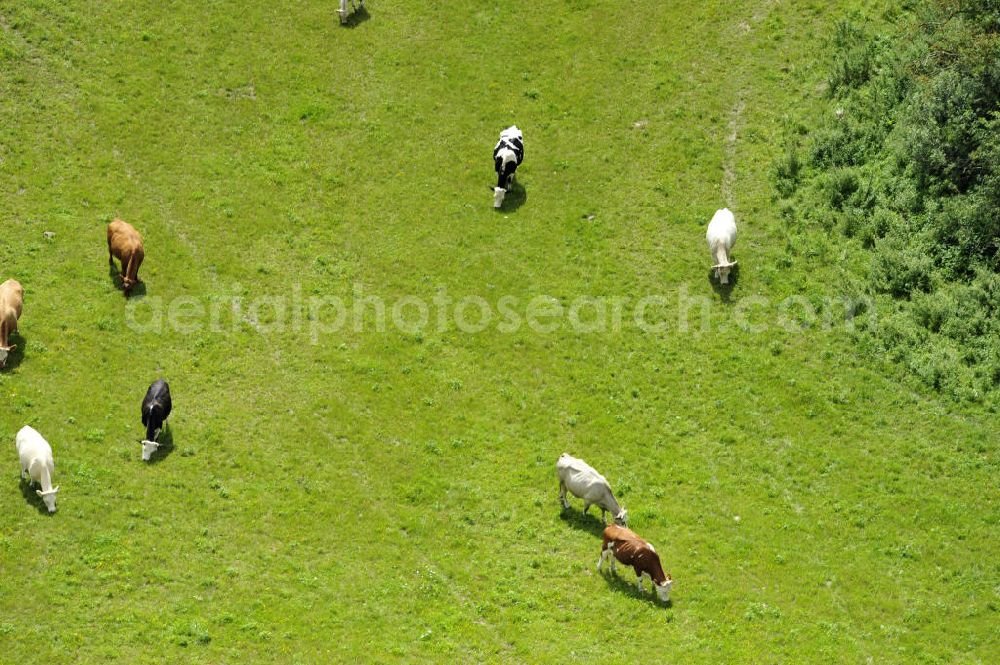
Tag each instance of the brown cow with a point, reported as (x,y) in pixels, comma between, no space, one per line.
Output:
(125,244)
(11,300)
(625,546)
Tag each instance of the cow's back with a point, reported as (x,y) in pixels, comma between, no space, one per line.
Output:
(123,238)
(616,532)
(30,445)
(511,133)
(622,540)
(158,396)
(722,229)
(11,297)
(628,549)
(573,470)
(589,487)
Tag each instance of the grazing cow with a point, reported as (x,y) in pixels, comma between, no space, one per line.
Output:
(11,300)
(721,237)
(36,464)
(125,244)
(507,156)
(342,11)
(585,483)
(155,411)
(624,545)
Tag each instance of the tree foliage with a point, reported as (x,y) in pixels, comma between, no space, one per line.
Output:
(907,164)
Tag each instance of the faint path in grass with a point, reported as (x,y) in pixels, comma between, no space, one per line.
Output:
(744,30)
(6,27)
(729,161)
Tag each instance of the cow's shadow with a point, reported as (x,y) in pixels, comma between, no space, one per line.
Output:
(621,584)
(725,291)
(166,441)
(138,291)
(514,198)
(15,357)
(577,519)
(32,499)
(357,17)
(115,274)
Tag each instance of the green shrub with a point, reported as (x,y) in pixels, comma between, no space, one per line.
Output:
(788,170)
(855,57)
(907,161)
(900,269)
(839,185)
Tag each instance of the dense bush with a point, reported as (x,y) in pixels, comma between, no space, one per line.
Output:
(907,164)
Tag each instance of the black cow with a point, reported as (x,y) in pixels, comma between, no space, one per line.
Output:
(155,411)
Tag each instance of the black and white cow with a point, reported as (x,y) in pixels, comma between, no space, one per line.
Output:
(507,156)
(155,411)
(342,10)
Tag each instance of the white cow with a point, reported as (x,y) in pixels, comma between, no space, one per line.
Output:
(721,237)
(342,11)
(585,483)
(36,464)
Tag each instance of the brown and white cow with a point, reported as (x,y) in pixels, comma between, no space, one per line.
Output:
(11,301)
(125,244)
(625,546)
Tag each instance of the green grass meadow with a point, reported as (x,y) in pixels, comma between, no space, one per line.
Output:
(367,495)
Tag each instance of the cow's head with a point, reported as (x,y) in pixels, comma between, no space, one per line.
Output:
(49,498)
(4,352)
(663,590)
(128,284)
(148,448)
(722,271)
(621,519)
(498,194)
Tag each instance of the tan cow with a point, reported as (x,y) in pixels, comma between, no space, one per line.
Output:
(11,300)
(125,244)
